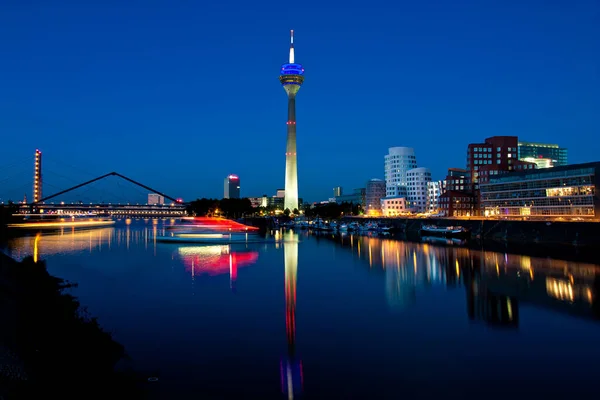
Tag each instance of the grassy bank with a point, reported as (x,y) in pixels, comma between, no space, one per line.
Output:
(61,351)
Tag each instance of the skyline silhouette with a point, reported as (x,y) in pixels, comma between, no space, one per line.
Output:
(179,96)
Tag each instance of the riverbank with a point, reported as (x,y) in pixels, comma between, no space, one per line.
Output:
(581,235)
(49,345)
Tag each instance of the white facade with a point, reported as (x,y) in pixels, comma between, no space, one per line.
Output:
(394,206)
(416,183)
(398,162)
(434,190)
(154,199)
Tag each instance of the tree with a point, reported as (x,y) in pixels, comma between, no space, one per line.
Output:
(230,208)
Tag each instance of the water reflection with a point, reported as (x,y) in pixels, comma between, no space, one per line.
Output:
(291,366)
(215,260)
(71,240)
(495,284)
(61,242)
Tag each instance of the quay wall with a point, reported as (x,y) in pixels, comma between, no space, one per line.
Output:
(563,233)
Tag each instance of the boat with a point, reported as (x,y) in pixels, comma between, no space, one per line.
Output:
(213,238)
(446,231)
(60,220)
(210,224)
(211,230)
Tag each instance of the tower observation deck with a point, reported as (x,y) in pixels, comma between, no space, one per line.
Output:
(291,77)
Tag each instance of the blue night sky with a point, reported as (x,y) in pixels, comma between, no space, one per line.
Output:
(179,94)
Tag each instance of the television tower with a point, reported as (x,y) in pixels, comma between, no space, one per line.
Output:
(291,77)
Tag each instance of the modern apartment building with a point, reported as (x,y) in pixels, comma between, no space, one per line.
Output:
(497,155)
(375,191)
(394,206)
(398,162)
(567,192)
(434,190)
(417,180)
(232,187)
(458,199)
(155,199)
(358,196)
(555,155)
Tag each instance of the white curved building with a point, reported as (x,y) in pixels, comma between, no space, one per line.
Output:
(417,179)
(398,162)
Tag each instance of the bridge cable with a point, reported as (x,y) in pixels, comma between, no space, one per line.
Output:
(88,189)
(137,189)
(73,167)
(16,192)
(80,194)
(14,164)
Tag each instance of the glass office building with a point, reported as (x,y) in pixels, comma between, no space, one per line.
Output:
(569,192)
(557,155)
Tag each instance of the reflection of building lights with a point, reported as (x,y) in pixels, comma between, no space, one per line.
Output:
(56,243)
(559,289)
(35,247)
(402,278)
(215,259)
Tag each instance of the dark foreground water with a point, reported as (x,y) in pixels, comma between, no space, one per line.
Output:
(334,317)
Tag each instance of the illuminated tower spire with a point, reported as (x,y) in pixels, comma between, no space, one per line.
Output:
(292,46)
(291,77)
(37,177)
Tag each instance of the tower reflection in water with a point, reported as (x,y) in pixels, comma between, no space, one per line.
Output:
(216,260)
(291,366)
(495,284)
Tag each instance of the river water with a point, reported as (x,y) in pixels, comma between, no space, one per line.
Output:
(335,317)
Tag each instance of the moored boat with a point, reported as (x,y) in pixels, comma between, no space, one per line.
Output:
(445,231)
